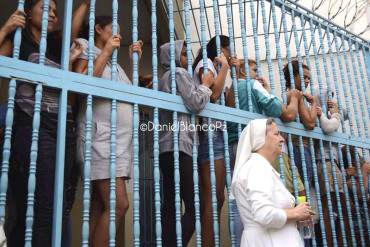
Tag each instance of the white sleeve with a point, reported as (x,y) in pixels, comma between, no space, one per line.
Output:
(330,125)
(259,191)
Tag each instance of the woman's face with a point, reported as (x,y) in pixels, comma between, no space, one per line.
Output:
(274,140)
(105,33)
(35,16)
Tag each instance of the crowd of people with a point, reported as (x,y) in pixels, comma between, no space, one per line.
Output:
(265,210)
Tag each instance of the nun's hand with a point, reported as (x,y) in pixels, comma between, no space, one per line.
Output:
(303,212)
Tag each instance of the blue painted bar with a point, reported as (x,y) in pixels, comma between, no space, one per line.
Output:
(245,57)
(35,133)
(225,134)
(255,38)
(88,133)
(210,132)
(323,104)
(292,85)
(363,76)
(157,186)
(349,159)
(198,234)
(136,170)
(175,130)
(113,138)
(301,147)
(9,123)
(316,185)
(361,133)
(318,19)
(61,132)
(101,87)
(281,75)
(340,107)
(267,46)
(321,144)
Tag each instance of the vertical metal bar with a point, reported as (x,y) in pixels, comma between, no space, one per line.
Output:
(358,91)
(336,189)
(61,132)
(88,135)
(212,171)
(301,147)
(245,56)
(255,38)
(316,184)
(363,76)
(281,75)
(195,146)
(157,187)
(267,47)
(348,155)
(35,132)
(323,103)
(175,131)
(358,166)
(321,144)
(136,175)
(210,131)
(292,84)
(113,132)
(225,134)
(9,123)
(340,107)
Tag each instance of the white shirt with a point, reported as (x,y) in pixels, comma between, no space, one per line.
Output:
(261,198)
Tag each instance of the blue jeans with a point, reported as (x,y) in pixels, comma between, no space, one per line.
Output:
(45,171)
(308,160)
(218,146)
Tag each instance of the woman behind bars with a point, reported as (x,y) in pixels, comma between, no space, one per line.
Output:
(195,98)
(218,67)
(31,22)
(105,44)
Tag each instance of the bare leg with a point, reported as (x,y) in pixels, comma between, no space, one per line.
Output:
(206,199)
(101,234)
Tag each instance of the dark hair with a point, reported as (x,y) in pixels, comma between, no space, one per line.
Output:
(102,21)
(212,49)
(54,39)
(28,5)
(295,66)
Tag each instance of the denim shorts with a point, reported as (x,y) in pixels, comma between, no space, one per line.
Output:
(218,146)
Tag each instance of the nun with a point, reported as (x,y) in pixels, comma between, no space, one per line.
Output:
(267,209)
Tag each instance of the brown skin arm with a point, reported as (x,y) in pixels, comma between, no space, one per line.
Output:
(308,116)
(78,18)
(100,62)
(289,112)
(218,83)
(6,47)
